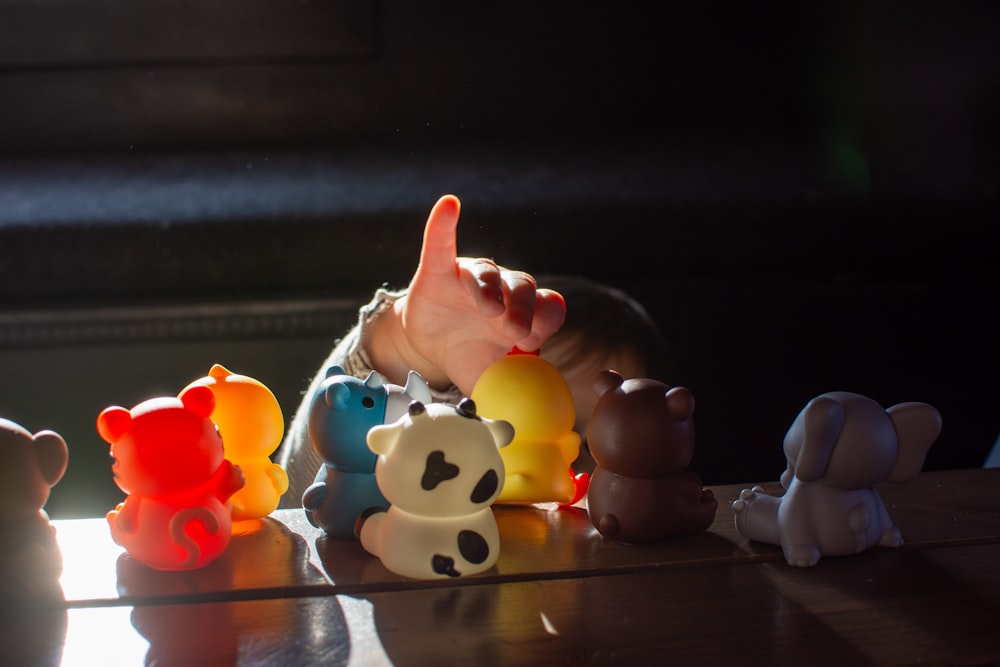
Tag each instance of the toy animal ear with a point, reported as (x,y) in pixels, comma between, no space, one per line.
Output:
(381,438)
(502,430)
(52,455)
(416,387)
(680,403)
(113,423)
(336,396)
(374,380)
(606,381)
(335,370)
(199,399)
(219,373)
(824,418)
(918,426)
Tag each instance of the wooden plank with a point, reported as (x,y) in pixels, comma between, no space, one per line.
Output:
(540,541)
(263,557)
(543,541)
(286,553)
(935,606)
(947,507)
(291,631)
(937,508)
(884,607)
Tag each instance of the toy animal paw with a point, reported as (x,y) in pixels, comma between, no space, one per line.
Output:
(747,496)
(801,555)
(892,538)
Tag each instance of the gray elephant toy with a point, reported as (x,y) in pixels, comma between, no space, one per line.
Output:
(839,446)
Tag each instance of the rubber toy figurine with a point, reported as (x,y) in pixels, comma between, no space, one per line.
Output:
(641,435)
(32,465)
(251,424)
(342,410)
(531,394)
(440,467)
(168,457)
(838,448)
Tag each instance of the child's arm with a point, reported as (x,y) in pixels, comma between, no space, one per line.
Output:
(459,314)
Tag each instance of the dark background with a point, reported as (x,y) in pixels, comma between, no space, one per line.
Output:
(805,197)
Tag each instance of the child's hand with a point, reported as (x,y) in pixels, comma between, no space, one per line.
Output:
(459,314)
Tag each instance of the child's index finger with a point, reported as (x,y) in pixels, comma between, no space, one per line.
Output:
(440,248)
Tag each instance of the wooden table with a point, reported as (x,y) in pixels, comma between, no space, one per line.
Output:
(284,594)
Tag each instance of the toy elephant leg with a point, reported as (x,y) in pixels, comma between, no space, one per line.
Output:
(891,535)
(756,516)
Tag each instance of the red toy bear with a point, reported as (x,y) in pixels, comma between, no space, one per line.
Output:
(168,457)
(641,435)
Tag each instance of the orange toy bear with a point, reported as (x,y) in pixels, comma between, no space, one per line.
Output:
(168,457)
(250,421)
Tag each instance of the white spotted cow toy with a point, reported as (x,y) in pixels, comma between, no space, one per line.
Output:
(440,468)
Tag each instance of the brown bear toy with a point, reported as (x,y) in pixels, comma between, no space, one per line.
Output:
(641,435)
(33,464)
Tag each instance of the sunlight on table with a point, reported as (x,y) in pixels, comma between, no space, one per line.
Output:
(104,637)
(89,575)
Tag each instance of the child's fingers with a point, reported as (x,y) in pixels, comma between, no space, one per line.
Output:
(482,279)
(549,315)
(438,253)
(520,299)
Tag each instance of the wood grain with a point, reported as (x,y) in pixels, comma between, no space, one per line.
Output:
(933,606)
(285,555)
(283,593)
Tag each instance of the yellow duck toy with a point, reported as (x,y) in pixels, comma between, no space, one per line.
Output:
(531,394)
(251,423)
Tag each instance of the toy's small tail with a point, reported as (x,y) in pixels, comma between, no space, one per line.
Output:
(581,482)
(608,526)
(178,530)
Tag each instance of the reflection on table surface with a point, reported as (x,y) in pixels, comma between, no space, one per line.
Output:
(285,593)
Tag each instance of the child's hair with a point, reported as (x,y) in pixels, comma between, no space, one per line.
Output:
(601,317)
